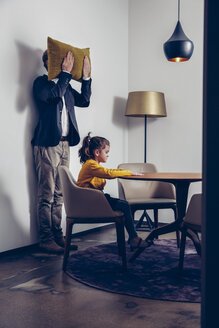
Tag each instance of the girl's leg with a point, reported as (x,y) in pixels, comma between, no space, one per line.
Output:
(122,205)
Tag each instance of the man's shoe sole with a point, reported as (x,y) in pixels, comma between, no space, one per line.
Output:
(47,249)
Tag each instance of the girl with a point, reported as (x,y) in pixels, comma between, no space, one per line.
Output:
(92,175)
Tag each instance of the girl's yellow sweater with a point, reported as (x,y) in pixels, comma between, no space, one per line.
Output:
(93,175)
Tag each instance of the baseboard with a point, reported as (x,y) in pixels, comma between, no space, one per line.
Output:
(34,247)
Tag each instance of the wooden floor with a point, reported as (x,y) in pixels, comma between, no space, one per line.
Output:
(35,293)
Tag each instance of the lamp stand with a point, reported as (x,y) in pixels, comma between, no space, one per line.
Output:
(145,138)
(148,225)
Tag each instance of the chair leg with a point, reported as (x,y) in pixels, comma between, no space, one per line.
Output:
(118,238)
(133,212)
(182,250)
(121,243)
(177,231)
(156,219)
(69,226)
(193,235)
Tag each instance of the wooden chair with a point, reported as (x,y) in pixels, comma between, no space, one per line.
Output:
(147,195)
(191,226)
(86,206)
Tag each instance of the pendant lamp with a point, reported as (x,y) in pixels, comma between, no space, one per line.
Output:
(178,48)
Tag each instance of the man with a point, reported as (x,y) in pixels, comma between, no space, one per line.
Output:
(56,130)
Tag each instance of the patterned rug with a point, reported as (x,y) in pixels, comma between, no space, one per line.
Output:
(152,275)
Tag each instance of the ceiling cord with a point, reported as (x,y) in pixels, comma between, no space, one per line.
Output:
(178,10)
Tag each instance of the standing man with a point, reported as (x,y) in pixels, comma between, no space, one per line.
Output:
(56,130)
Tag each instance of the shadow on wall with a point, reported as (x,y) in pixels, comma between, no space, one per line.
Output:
(120,120)
(119,117)
(12,229)
(30,61)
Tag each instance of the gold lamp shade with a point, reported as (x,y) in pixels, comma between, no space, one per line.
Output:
(146,103)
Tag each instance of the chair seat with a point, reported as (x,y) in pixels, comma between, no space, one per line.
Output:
(144,200)
(102,219)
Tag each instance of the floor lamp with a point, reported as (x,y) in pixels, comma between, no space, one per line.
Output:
(145,104)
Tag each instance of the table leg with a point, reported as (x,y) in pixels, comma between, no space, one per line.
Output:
(182,188)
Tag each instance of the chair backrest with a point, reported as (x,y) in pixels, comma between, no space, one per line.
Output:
(82,202)
(149,189)
(194,210)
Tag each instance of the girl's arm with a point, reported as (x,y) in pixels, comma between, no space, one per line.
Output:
(96,170)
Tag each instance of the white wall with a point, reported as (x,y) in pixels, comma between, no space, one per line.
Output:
(101,25)
(174,143)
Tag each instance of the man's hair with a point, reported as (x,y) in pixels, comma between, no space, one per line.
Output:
(45,58)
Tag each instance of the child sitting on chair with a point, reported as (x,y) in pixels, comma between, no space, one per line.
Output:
(94,151)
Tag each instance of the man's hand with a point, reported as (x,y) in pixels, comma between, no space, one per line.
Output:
(68,62)
(86,68)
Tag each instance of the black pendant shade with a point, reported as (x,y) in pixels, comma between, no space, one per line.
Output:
(178,48)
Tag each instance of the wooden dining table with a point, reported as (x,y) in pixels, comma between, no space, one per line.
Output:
(181,181)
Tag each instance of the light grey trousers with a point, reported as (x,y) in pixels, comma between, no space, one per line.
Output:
(50,200)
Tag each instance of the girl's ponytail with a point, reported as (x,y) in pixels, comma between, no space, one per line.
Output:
(84,152)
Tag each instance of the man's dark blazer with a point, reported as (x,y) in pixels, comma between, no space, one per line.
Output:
(48,98)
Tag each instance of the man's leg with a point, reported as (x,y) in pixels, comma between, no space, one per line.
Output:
(58,199)
(46,159)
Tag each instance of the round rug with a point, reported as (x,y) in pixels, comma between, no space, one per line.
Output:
(152,275)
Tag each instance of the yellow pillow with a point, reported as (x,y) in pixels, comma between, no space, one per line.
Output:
(57,51)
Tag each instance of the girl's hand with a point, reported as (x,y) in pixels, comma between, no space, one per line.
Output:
(137,173)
